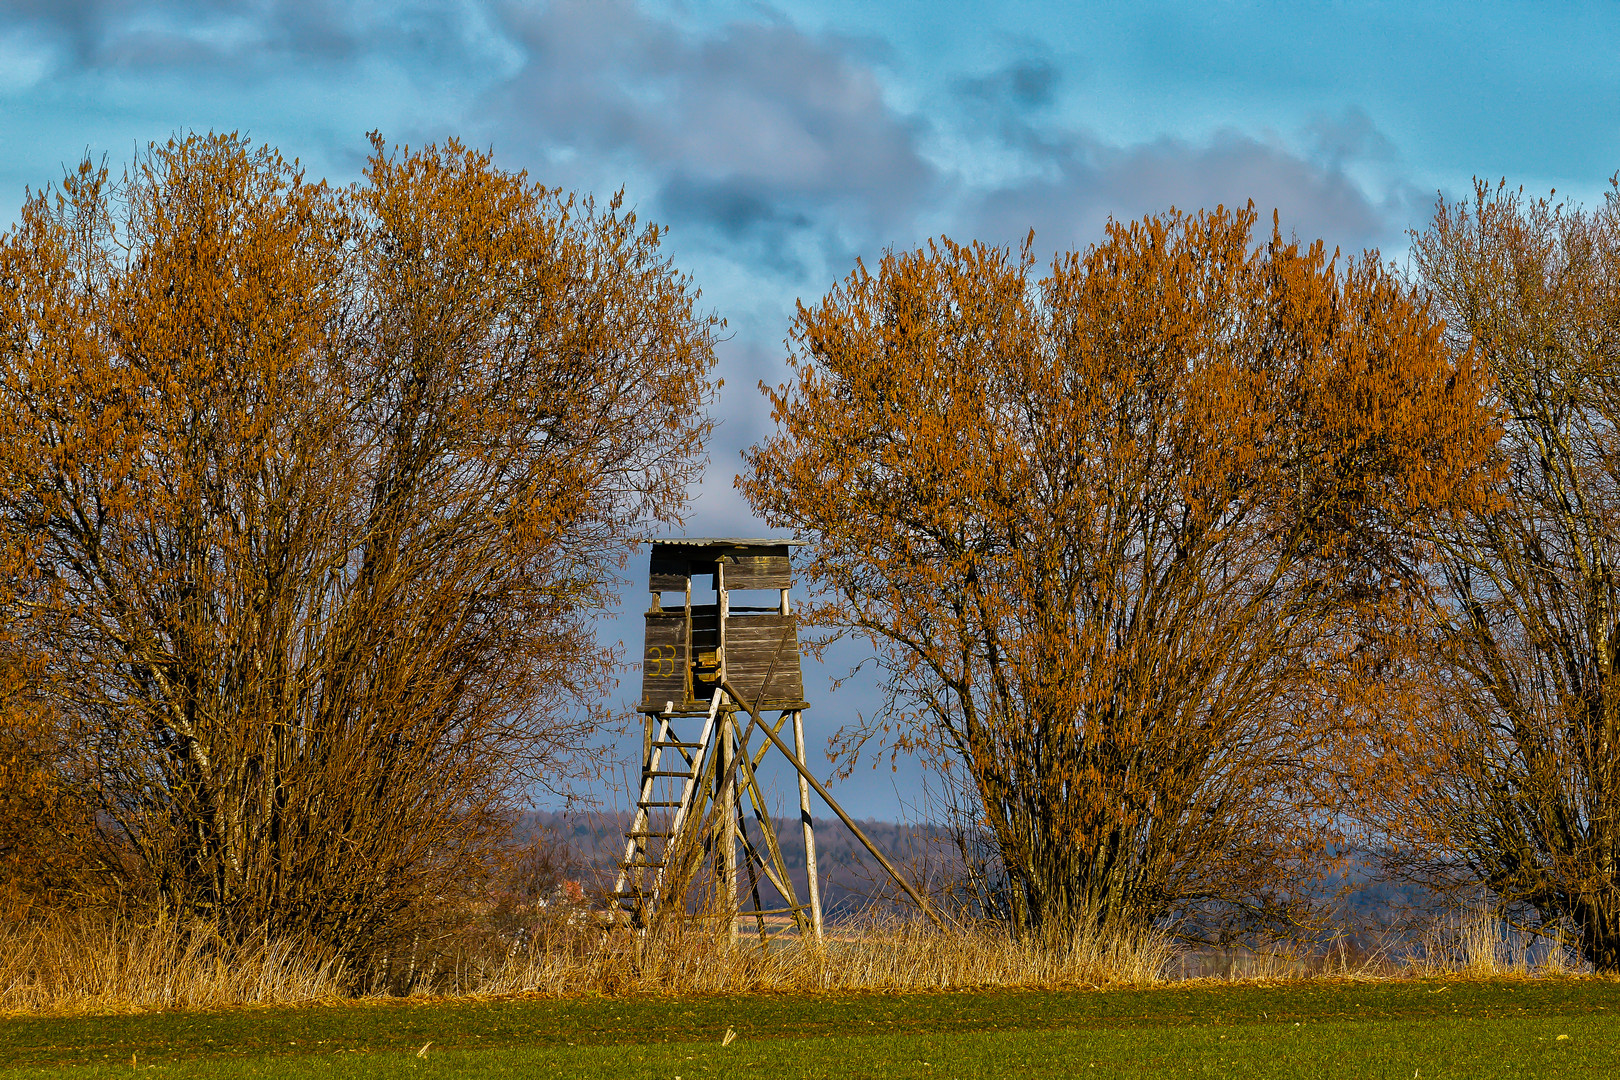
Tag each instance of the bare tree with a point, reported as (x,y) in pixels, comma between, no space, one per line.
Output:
(1503,763)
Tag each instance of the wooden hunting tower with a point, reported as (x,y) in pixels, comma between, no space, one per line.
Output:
(704,667)
(702,664)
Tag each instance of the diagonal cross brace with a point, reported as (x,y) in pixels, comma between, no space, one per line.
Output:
(832,803)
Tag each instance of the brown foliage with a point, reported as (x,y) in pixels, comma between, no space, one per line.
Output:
(1508,744)
(1106,532)
(43,826)
(307,496)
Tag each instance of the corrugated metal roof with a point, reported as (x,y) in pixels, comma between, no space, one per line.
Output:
(725,541)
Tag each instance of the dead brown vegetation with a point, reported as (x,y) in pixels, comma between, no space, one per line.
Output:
(90,963)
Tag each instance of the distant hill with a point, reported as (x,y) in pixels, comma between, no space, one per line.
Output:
(1367,906)
(851,880)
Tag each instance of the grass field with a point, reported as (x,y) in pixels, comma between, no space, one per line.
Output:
(1424,1028)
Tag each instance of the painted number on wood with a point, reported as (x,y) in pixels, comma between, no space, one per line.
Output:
(661,660)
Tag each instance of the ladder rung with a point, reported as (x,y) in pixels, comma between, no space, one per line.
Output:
(683,745)
(654,832)
(665,772)
(632,892)
(652,803)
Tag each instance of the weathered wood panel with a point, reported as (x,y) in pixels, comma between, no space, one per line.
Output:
(751,643)
(671,565)
(665,668)
(768,568)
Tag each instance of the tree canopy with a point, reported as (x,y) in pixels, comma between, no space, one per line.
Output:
(1502,732)
(1109,532)
(306,498)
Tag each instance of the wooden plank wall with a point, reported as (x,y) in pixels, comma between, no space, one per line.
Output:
(751,642)
(672,565)
(665,666)
(669,666)
(770,570)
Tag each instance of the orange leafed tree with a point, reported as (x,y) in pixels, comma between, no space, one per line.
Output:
(1508,753)
(1111,530)
(306,498)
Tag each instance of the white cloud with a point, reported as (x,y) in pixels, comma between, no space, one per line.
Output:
(1090,182)
(783,147)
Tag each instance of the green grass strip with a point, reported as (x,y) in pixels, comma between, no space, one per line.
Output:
(1375,1029)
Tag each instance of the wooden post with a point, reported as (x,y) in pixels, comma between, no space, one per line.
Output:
(814,896)
(727,796)
(728,825)
(812,881)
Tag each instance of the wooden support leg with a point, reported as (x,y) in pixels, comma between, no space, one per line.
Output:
(832,804)
(781,880)
(726,802)
(809,831)
(753,875)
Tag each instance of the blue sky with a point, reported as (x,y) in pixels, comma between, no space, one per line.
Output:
(779,141)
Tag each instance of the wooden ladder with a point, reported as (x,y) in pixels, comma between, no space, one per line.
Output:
(641,870)
(653,840)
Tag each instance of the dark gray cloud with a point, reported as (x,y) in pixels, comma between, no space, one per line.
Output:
(751,125)
(249,38)
(1347,136)
(1028,83)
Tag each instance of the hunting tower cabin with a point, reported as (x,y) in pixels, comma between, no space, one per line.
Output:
(710,660)
(692,647)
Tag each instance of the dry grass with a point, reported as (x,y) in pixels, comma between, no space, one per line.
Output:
(94,963)
(88,963)
(80,964)
(874,954)
(1477,943)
